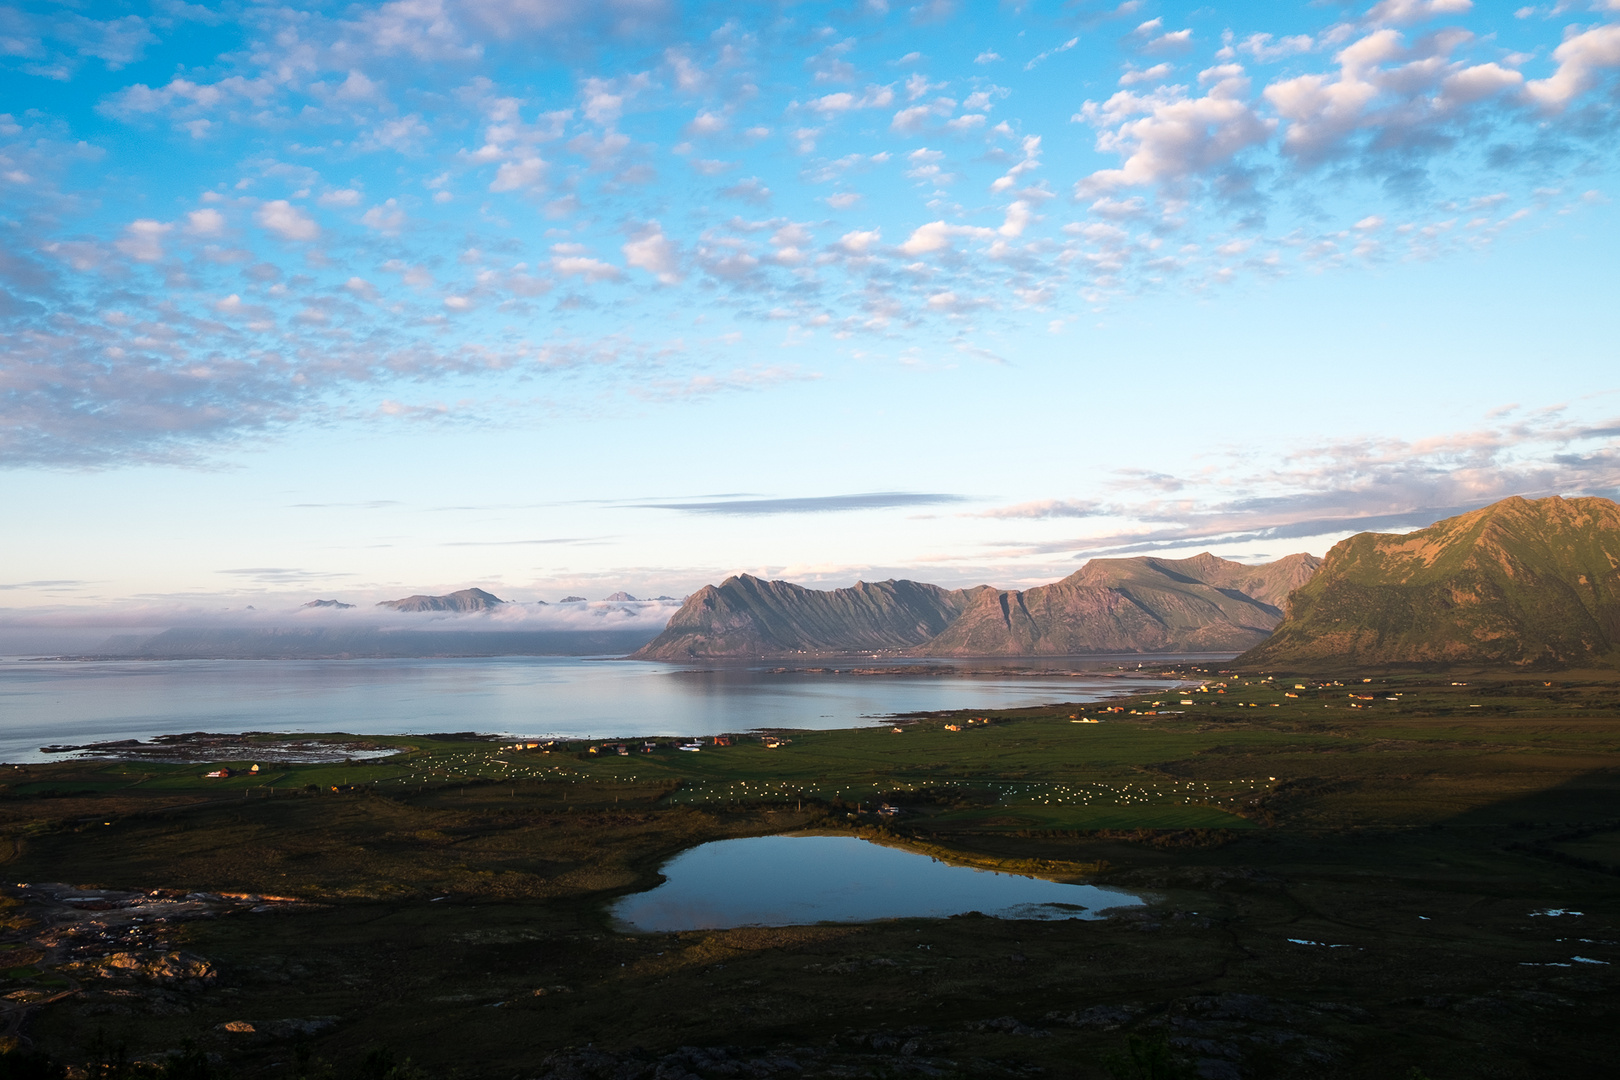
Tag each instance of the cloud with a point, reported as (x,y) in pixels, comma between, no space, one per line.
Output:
(1580,59)
(287,221)
(937,236)
(1347,486)
(525,173)
(1177,137)
(387,218)
(652,251)
(143,240)
(205,222)
(818,504)
(874,97)
(1055,50)
(1401,12)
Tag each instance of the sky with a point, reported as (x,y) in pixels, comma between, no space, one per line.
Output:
(552,297)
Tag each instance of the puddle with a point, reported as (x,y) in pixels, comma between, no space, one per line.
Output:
(794,880)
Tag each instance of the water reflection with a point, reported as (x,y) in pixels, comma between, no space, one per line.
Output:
(792,880)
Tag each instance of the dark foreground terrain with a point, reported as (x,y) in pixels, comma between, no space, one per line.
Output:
(1399,879)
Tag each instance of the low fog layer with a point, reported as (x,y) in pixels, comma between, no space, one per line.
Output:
(165,630)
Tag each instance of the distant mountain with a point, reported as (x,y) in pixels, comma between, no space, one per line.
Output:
(573,600)
(222,643)
(1201,604)
(336,604)
(1517,584)
(748,616)
(621,596)
(465,600)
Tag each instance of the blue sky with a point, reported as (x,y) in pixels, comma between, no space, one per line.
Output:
(560,297)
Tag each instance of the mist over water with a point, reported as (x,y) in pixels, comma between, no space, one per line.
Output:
(53,702)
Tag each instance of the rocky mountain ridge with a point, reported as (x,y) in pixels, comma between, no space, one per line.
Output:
(1144,604)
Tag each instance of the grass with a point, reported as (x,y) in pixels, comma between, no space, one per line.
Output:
(1418,832)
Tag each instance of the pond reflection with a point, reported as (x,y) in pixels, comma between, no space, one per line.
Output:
(792,880)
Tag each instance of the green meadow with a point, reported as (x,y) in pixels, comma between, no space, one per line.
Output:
(1343,880)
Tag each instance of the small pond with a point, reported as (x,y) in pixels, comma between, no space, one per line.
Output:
(792,880)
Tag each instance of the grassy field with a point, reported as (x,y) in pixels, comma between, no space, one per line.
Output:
(1343,881)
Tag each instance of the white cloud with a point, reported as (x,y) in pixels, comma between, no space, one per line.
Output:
(1401,12)
(387,218)
(987,57)
(936,236)
(143,239)
(706,123)
(570,263)
(1156,73)
(1580,58)
(860,242)
(874,97)
(340,197)
(287,221)
(1178,137)
(652,251)
(1063,48)
(1173,41)
(1019,215)
(205,222)
(519,175)
(1031,147)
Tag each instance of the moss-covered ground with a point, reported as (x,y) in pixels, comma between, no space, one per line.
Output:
(1344,880)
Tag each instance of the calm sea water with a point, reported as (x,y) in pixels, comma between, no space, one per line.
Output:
(80,702)
(792,880)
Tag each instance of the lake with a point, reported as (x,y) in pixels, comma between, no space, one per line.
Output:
(44,702)
(794,880)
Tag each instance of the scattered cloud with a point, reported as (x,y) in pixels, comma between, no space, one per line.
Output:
(815,504)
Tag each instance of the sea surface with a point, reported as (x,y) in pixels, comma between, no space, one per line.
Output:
(78,702)
(793,880)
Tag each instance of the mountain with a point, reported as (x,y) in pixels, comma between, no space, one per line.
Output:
(465,600)
(1521,583)
(748,616)
(305,643)
(1201,604)
(620,597)
(337,605)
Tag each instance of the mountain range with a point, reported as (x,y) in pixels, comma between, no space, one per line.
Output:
(1201,604)
(1518,584)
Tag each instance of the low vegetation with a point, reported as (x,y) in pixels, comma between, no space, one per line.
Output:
(1347,879)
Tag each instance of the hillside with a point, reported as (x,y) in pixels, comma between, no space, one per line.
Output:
(749,616)
(1520,583)
(1202,604)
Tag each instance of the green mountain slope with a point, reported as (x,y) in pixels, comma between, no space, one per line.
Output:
(748,616)
(1202,604)
(1519,583)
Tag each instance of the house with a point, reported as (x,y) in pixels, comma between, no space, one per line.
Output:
(953,727)
(691,747)
(218,774)
(721,740)
(253,768)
